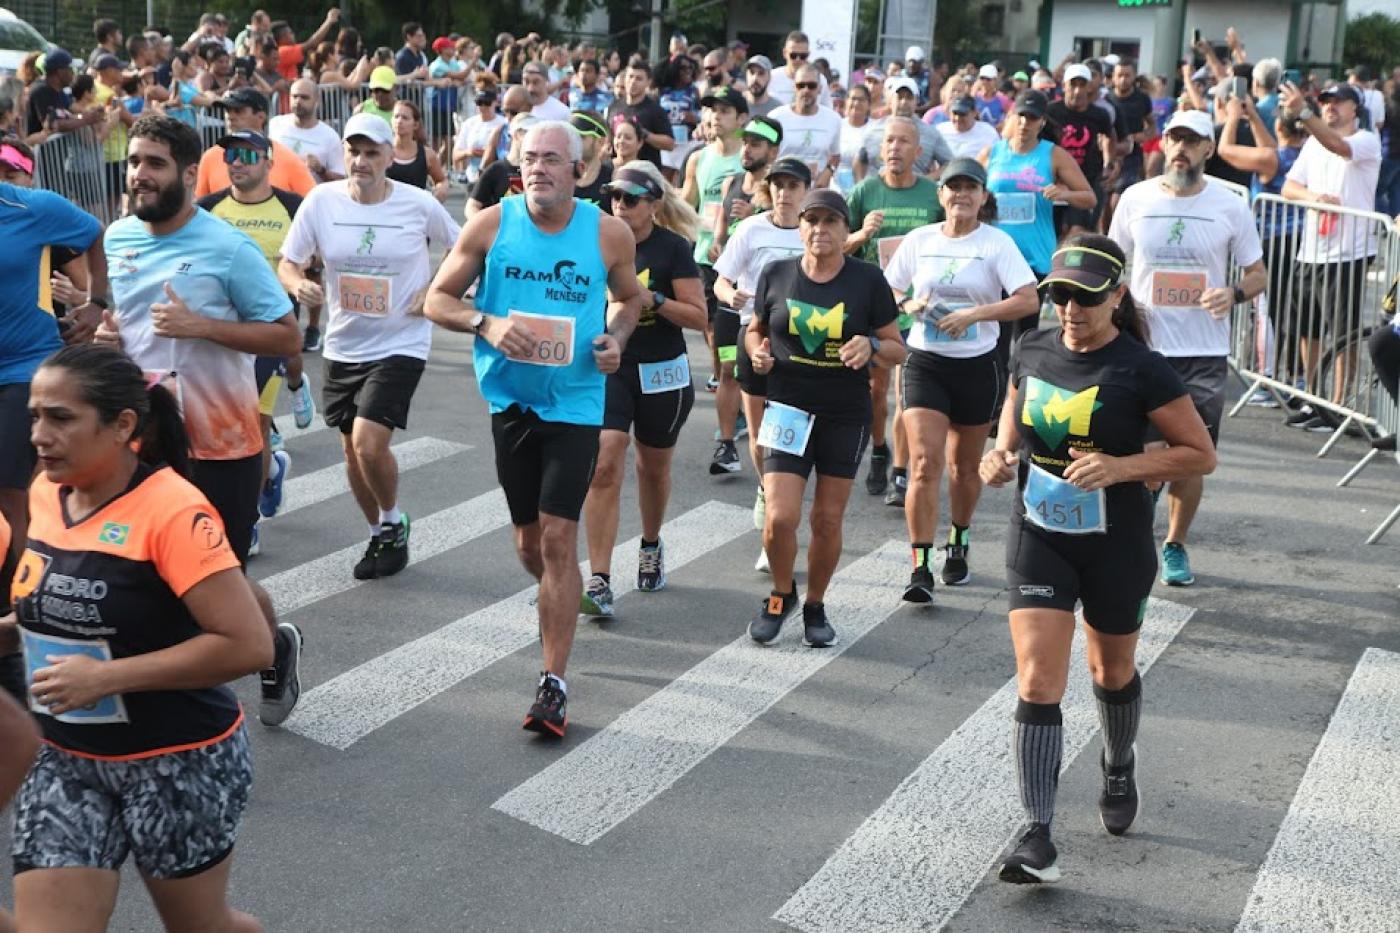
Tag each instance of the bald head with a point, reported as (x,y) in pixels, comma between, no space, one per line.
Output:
(517,100)
(304,97)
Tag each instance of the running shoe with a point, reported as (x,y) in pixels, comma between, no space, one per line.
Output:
(761,565)
(651,568)
(725,460)
(311,340)
(920,588)
(1176,566)
(1317,424)
(898,489)
(253,548)
(769,621)
(1118,802)
(597,599)
(712,384)
(878,479)
(1301,417)
(274,438)
(365,566)
(760,510)
(1384,444)
(303,405)
(1033,861)
(270,500)
(393,548)
(955,570)
(281,683)
(1262,398)
(549,714)
(816,630)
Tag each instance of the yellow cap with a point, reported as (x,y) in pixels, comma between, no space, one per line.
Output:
(381,79)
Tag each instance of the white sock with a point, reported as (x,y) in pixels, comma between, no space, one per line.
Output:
(374,531)
(391,517)
(562,686)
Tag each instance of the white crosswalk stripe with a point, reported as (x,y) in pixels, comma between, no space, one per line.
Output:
(345,709)
(1339,843)
(329,482)
(615,773)
(912,863)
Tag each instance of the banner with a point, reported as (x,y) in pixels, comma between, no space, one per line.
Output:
(831,25)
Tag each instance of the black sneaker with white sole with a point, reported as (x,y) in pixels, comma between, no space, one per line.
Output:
(365,566)
(1034,860)
(725,460)
(816,630)
(955,569)
(769,621)
(920,588)
(393,548)
(1118,801)
(281,683)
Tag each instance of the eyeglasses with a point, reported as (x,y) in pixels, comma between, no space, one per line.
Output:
(1062,295)
(628,200)
(235,154)
(548,160)
(806,85)
(798,56)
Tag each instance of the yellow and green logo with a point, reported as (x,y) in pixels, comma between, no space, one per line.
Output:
(1053,412)
(813,325)
(114,533)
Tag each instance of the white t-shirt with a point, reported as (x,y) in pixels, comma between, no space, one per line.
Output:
(475,134)
(960,272)
(755,243)
(1176,248)
(321,141)
(1353,182)
(783,88)
(1375,104)
(552,108)
(813,138)
(376,258)
(973,141)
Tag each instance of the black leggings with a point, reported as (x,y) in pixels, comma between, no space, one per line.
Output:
(1384,344)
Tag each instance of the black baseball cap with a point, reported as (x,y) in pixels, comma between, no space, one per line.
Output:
(631,181)
(794,167)
(246,97)
(1084,267)
(962,105)
(764,128)
(245,138)
(1031,103)
(825,199)
(963,167)
(1342,90)
(727,96)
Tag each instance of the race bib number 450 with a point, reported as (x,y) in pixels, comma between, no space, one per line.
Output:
(551,339)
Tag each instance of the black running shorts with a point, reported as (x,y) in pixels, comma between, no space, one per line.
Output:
(271,374)
(725,325)
(835,449)
(232,488)
(17,455)
(655,419)
(543,466)
(708,277)
(1205,378)
(751,382)
(963,389)
(378,391)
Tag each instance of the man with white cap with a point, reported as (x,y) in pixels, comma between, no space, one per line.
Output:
(914,68)
(1087,134)
(373,237)
(758,73)
(902,96)
(992,105)
(1180,233)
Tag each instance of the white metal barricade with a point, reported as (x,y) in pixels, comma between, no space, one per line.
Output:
(73,165)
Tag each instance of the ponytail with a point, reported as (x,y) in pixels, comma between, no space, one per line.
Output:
(1128,319)
(163,437)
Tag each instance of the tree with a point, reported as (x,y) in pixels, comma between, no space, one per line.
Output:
(1372,40)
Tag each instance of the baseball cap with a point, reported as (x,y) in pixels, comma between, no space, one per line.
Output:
(246,97)
(588,124)
(247,138)
(761,61)
(738,44)
(442,42)
(902,83)
(728,97)
(764,128)
(381,79)
(371,126)
(963,167)
(914,54)
(1195,121)
(790,166)
(1078,71)
(1360,73)
(1031,103)
(107,61)
(962,105)
(634,182)
(1344,91)
(1083,267)
(1110,60)
(825,199)
(987,71)
(1043,81)
(56,59)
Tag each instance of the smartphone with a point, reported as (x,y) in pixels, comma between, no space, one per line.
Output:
(1239,87)
(1292,76)
(1195,37)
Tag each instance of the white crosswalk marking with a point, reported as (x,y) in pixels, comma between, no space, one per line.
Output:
(349,707)
(431,535)
(915,860)
(329,482)
(289,430)
(1340,840)
(619,770)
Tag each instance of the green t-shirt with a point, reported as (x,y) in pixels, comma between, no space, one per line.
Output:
(905,209)
(711,169)
(370,106)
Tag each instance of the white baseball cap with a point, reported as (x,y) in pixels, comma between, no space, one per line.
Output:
(902,83)
(915,53)
(987,71)
(1078,70)
(371,126)
(1197,121)
(1110,60)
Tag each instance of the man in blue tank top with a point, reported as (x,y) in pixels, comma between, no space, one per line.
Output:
(557,300)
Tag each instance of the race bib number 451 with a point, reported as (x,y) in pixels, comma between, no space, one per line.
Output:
(551,339)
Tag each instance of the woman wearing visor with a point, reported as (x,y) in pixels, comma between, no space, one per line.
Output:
(1079,402)
(650,395)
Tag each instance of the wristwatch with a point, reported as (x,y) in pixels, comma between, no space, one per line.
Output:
(874,344)
(1240,296)
(475,322)
(1307,113)
(657,299)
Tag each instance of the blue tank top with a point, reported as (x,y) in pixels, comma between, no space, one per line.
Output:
(1277,221)
(559,282)
(1022,211)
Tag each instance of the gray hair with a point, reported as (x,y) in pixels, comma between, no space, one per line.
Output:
(560,126)
(1267,73)
(903,121)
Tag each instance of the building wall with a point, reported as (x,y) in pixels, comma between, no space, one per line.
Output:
(1102,19)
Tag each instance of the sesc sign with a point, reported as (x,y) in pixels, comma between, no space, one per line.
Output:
(831,25)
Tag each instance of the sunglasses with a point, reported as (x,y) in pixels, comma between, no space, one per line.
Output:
(806,85)
(1062,295)
(628,200)
(799,56)
(236,154)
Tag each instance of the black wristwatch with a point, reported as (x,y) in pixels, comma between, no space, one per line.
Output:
(658,299)
(1240,297)
(100,302)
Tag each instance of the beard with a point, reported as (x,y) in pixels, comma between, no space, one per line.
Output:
(1181,179)
(170,200)
(757,90)
(752,165)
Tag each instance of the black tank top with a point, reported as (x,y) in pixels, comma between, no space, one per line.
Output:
(736,193)
(413,173)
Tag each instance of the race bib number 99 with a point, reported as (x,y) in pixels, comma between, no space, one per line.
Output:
(785,428)
(551,339)
(1177,289)
(365,294)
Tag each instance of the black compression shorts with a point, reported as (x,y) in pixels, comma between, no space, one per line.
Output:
(656,419)
(751,382)
(835,449)
(543,466)
(963,389)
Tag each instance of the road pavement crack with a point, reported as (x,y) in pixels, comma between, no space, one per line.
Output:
(933,655)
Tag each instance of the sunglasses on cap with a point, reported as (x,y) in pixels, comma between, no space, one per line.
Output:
(1062,294)
(628,200)
(235,154)
(806,85)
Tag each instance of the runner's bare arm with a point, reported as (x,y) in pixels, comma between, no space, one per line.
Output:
(20,741)
(620,256)
(460,267)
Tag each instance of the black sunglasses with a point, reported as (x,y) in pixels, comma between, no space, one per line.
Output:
(1062,295)
(806,85)
(799,56)
(628,200)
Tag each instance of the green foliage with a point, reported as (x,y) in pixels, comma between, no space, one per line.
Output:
(1372,40)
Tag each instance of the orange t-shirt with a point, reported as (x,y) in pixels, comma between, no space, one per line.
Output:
(288,172)
(289,59)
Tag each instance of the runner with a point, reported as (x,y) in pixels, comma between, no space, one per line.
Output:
(593,128)
(145,750)
(543,370)
(1087,134)
(502,177)
(1181,233)
(246,109)
(193,304)
(820,321)
(811,131)
(1079,402)
(415,163)
(884,207)
(314,142)
(959,270)
(373,236)
(756,241)
(265,213)
(745,194)
(651,392)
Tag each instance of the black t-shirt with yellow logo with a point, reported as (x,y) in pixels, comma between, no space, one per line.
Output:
(1097,402)
(662,257)
(807,324)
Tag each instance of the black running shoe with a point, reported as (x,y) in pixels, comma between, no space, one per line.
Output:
(816,630)
(364,568)
(899,488)
(549,713)
(1033,861)
(879,476)
(393,548)
(281,683)
(769,621)
(725,460)
(955,572)
(1118,802)
(920,588)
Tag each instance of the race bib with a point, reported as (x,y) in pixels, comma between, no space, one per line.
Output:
(1016,207)
(666,376)
(845,179)
(886,247)
(1059,506)
(551,339)
(785,428)
(680,132)
(366,294)
(37,651)
(1177,289)
(935,312)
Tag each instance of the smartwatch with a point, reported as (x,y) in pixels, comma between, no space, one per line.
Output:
(1240,296)
(657,299)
